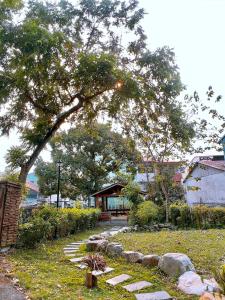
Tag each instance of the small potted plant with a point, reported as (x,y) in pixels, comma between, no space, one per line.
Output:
(94,262)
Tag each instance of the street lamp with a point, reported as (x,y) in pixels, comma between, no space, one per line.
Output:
(59,163)
(58,190)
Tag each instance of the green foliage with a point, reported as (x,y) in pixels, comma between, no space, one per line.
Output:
(13,176)
(88,156)
(69,62)
(200,217)
(220,277)
(45,221)
(147,212)
(132,192)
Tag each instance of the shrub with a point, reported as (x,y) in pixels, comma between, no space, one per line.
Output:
(45,221)
(200,217)
(147,212)
(34,232)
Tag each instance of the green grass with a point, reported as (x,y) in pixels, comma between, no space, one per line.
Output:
(47,274)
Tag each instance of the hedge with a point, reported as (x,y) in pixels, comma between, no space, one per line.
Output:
(47,221)
(200,217)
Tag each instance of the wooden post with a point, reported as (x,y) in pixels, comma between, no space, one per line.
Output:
(91,280)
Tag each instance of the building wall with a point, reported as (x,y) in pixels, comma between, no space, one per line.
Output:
(211,187)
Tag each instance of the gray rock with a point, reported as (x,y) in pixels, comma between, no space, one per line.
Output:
(114,249)
(96,245)
(175,264)
(132,256)
(95,237)
(137,286)
(191,283)
(151,260)
(162,295)
(102,245)
(118,279)
(212,285)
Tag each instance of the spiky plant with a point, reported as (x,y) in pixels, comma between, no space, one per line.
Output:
(95,262)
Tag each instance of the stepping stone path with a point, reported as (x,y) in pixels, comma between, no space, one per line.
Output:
(162,295)
(118,279)
(137,286)
(73,250)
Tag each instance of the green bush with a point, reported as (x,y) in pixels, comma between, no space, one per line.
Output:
(46,221)
(34,232)
(147,212)
(220,277)
(200,217)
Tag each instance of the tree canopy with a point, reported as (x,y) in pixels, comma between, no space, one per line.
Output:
(69,63)
(89,158)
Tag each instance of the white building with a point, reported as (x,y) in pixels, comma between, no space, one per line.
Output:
(205,183)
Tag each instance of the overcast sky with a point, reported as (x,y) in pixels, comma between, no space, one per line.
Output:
(195,29)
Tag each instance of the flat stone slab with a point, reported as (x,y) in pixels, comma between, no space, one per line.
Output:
(76,259)
(71,248)
(70,254)
(81,266)
(70,251)
(162,295)
(118,279)
(137,286)
(98,273)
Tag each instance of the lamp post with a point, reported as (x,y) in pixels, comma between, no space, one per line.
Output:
(58,186)
(58,190)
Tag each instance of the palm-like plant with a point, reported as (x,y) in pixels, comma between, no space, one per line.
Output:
(94,262)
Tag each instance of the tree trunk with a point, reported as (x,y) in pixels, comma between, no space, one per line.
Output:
(61,118)
(166,200)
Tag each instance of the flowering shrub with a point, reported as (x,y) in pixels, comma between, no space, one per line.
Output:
(46,221)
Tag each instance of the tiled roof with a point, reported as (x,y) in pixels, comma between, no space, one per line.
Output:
(217,164)
(32,186)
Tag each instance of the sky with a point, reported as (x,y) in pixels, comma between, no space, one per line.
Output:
(195,30)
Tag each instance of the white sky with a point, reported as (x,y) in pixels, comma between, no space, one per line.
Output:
(195,29)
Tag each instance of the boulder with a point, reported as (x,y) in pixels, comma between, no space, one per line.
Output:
(207,296)
(132,256)
(151,260)
(114,249)
(97,245)
(175,264)
(191,283)
(212,285)
(102,245)
(95,237)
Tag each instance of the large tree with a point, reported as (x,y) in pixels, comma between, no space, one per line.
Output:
(62,62)
(90,157)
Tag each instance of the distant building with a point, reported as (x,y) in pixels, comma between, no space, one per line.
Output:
(205,180)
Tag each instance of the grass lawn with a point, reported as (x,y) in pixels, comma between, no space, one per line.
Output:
(47,274)
(206,248)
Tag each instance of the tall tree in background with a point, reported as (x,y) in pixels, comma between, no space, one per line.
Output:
(63,63)
(89,158)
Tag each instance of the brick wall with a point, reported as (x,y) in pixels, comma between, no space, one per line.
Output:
(10,197)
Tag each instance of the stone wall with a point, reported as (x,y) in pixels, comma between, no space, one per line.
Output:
(10,196)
